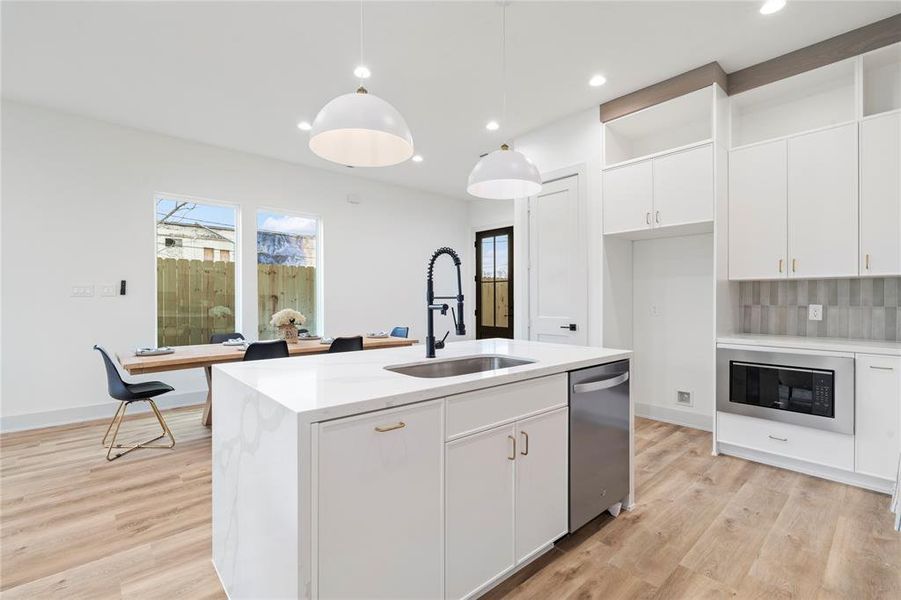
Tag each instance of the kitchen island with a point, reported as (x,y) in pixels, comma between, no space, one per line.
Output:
(334,476)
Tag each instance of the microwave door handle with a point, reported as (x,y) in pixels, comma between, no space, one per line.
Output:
(601,384)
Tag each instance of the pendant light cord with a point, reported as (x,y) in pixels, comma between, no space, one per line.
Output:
(361,39)
(504,64)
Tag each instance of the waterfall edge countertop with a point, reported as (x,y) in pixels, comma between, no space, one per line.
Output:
(330,386)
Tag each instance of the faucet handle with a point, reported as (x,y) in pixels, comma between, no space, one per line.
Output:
(440,343)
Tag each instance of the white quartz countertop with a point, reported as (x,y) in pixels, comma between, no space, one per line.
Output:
(328,386)
(813,343)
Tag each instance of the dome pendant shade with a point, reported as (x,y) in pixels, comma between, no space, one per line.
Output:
(361,130)
(504,174)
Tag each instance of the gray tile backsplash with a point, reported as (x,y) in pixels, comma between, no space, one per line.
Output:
(867,309)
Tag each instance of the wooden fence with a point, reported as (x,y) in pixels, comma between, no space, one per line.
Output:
(489,310)
(196,298)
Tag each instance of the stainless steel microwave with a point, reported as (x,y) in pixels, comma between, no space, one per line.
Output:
(803,389)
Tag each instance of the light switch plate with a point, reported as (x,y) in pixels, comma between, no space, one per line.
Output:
(82,291)
(815,312)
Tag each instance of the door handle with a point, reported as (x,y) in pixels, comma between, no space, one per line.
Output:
(525,436)
(867,262)
(657,217)
(571,327)
(780,265)
(794,265)
(386,428)
(602,384)
(878,368)
(512,456)
(647,217)
(778,439)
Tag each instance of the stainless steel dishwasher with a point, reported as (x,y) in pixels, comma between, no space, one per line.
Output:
(598,440)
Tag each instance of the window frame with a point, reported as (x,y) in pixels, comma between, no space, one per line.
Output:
(320,251)
(239,280)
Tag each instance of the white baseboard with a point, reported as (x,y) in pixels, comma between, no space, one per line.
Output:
(67,416)
(674,416)
(869,482)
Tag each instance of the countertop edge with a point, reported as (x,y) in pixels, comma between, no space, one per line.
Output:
(317,415)
(823,344)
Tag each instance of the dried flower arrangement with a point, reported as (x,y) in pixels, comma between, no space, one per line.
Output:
(286,321)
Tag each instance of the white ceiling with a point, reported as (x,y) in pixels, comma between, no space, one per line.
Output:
(241,74)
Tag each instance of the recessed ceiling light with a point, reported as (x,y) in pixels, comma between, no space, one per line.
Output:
(597,80)
(771,6)
(362,72)
(492,126)
(304,126)
(417,158)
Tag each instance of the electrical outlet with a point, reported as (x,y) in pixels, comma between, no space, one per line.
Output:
(683,398)
(109,289)
(82,291)
(815,312)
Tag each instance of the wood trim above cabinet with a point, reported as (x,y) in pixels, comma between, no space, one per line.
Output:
(673,87)
(846,45)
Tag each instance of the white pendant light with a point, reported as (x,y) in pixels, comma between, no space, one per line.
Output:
(360,129)
(505,173)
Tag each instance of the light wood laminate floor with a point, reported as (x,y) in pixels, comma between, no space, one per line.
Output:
(74,526)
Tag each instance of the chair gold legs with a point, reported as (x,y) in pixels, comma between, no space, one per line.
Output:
(117,421)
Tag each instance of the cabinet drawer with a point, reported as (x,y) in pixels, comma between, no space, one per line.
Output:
(475,411)
(802,443)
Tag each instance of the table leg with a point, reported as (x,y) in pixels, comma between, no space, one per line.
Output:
(207,418)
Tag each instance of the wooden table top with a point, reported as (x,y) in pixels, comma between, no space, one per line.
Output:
(204,355)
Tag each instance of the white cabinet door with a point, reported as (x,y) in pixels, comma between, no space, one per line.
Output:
(757,212)
(822,203)
(479,509)
(880,195)
(683,187)
(628,198)
(541,481)
(877,415)
(379,489)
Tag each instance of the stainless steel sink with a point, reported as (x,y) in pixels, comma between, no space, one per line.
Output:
(459,366)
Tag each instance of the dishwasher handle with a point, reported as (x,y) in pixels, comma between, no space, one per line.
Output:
(601,384)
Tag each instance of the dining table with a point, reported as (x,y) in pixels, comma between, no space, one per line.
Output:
(204,356)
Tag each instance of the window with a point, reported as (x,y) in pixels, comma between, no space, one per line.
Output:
(195,292)
(287,254)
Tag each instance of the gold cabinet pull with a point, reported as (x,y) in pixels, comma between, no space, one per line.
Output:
(513,455)
(794,265)
(780,265)
(525,436)
(866,261)
(384,428)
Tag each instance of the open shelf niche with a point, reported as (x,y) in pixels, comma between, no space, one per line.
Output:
(811,100)
(676,123)
(882,80)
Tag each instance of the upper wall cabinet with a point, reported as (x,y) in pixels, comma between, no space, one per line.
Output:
(819,98)
(822,203)
(880,195)
(671,193)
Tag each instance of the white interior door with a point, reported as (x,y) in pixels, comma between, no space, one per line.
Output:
(558,270)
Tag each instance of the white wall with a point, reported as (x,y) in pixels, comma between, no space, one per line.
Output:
(673,328)
(78,209)
(563,148)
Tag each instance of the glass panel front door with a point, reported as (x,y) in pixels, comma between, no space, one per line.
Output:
(494,286)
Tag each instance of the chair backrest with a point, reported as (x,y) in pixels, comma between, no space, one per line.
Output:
(400,332)
(303,331)
(114,383)
(218,338)
(346,344)
(266,350)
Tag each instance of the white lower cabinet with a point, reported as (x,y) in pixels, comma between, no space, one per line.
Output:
(479,509)
(506,498)
(877,415)
(378,495)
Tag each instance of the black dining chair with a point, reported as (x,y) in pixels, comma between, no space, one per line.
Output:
(266,350)
(218,338)
(346,344)
(126,393)
(400,332)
